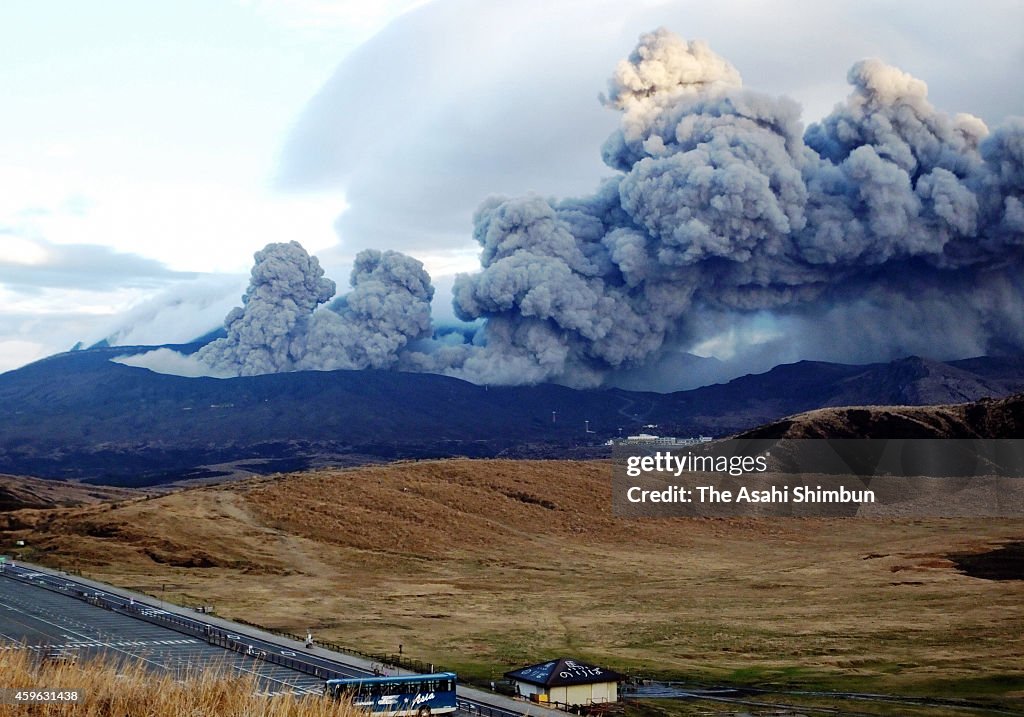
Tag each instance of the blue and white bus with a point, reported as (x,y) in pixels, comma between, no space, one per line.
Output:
(418,695)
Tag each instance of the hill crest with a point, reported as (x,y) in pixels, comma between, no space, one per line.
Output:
(987,418)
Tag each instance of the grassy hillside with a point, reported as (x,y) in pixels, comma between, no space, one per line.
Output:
(21,492)
(481,565)
(987,418)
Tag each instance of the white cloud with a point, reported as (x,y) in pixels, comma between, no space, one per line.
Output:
(22,251)
(50,301)
(197,226)
(15,352)
(180,313)
(49,321)
(332,14)
(170,362)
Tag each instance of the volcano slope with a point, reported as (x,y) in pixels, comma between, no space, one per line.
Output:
(481,565)
(987,418)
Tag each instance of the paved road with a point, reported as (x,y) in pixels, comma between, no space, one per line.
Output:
(43,610)
(38,619)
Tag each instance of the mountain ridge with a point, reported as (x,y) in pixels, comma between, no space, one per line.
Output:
(81,416)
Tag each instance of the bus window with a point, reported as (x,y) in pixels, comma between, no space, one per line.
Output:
(433,694)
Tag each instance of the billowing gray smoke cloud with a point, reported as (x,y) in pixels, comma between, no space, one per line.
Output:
(389,305)
(279,329)
(888,228)
(723,206)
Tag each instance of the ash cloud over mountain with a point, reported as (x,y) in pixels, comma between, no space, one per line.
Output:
(278,328)
(888,228)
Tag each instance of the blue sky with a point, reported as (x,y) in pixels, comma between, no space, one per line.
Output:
(147,149)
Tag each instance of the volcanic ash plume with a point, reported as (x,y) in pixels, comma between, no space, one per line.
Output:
(264,334)
(886,229)
(279,329)
(389,305)
(724,207)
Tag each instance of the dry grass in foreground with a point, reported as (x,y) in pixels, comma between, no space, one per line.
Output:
(116,691)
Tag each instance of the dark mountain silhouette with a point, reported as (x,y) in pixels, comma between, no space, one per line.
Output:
(79,415)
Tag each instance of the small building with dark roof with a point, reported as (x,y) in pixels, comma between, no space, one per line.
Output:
(567,682)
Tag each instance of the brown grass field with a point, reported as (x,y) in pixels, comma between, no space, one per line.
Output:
(484,565)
